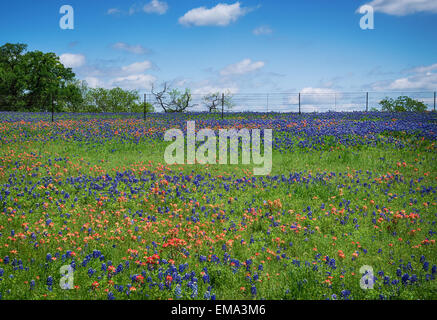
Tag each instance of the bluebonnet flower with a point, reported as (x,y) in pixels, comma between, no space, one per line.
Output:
(253,290)
(413,278)
(50,283)
(205,278)
(426,265)
(207,295)
(345,293)
(90,272)
(181,268)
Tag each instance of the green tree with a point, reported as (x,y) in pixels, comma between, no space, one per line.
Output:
(46,78)
(402,104)
(97,100)
(139,107)
(30,79)
(120,100)
(72,98)
(110,100)
(12,76)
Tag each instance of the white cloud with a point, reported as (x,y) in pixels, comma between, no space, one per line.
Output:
(134,82)
(404,7)
(422,78)
(310,90)
(322,99)
(71,60)
(424,69)
(208,89)
(94,82)
(262,30)
(221,15)
(242,67)
(311,95)
(426,81)
(130,76)
(113,11)
(136,49)
(203,88)
(155,6)
(136,67)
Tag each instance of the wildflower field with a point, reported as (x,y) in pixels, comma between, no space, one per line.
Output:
(93,192)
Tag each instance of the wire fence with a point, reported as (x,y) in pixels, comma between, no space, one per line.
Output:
(302,102)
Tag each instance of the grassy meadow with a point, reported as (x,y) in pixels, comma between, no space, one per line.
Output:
(346,190)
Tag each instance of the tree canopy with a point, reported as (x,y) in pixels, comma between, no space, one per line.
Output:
(33,80)
(30,80)
(402,104)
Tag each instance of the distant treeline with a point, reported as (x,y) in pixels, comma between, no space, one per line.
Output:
(34,81)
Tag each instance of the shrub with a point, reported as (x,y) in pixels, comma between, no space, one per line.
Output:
(402,104)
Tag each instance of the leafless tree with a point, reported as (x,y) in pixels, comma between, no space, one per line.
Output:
(161,96)
(172,100)
(213,101)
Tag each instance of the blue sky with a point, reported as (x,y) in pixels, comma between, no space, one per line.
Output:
(242,46)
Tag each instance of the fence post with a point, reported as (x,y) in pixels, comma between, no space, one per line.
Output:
(51,99)
(367,101)
(145,106)
(434,100)
(267,102)
(335,101)
(223,103)
(299,103)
